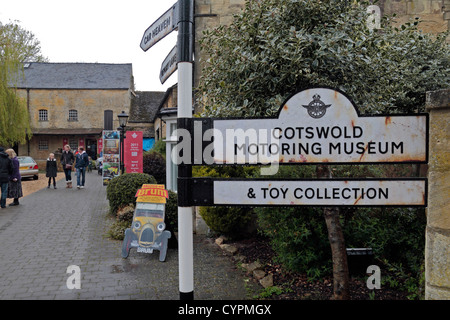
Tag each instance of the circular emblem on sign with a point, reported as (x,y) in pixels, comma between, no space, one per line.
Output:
(316,108)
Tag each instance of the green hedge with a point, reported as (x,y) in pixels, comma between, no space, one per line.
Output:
(121,190)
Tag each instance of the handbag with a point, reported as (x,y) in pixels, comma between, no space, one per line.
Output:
(68,166)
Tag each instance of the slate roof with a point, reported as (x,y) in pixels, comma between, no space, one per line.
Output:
(144,106)
(40,75)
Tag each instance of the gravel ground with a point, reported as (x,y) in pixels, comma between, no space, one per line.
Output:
(29,185)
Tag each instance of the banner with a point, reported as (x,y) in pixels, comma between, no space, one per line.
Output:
(111,155)
(100,147)
(133,147)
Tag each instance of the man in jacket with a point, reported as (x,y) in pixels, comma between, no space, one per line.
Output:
(82,161)
(6,170)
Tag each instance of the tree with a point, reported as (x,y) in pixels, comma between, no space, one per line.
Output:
(277,47)
(17,45)
(14,119)
(23,44)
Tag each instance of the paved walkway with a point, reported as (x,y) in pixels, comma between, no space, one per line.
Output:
(54,229)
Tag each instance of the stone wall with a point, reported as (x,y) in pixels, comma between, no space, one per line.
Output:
(209,14)
(435,14)
(437,248)
(90,105)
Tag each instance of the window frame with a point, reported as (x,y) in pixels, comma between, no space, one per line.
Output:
(43,114)
(73,115)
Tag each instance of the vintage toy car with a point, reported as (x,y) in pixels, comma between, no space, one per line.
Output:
(147,231)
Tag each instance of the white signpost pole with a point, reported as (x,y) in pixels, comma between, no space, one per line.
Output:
(185,229)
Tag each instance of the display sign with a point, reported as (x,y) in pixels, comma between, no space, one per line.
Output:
(335,192)
(133,147)
(111,155)
(147,232)
(100,147)
(160,28)
(317,125)
(155,193)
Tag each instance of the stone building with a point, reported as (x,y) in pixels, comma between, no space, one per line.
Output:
(165,126)
(68,103)
(143,112)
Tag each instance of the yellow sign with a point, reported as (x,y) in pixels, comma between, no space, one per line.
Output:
(152,199)
(152,193)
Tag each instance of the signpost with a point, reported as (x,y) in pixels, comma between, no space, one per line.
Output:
(160,28)
(181,16)
(169,65)
(314,126)
(346,192)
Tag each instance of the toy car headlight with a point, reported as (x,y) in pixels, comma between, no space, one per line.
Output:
(136,225)
(161,226)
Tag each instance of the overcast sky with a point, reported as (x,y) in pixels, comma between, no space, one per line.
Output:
(103,31)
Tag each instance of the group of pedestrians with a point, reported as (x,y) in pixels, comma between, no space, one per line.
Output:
(81,160)
(10,179)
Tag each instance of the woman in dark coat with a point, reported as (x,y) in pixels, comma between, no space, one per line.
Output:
(67,159)
(51,170)
(15,184)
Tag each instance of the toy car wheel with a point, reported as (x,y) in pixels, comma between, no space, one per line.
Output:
(126,244)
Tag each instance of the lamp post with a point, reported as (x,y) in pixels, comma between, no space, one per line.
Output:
(123,118)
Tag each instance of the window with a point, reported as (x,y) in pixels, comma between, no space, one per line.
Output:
(43,144)
(43,115)
(73,115)
(171,140)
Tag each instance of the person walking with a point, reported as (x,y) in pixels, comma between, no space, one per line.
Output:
(51,170)
(82,161)
(6,170)
(15,183)
(67,159)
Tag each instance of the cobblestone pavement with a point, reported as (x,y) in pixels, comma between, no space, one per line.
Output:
(53,229)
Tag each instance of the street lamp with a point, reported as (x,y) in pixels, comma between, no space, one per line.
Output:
(123,118)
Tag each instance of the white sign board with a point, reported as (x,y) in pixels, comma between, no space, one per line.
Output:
(321,192)
(321,125)
(169,65)
(160,28)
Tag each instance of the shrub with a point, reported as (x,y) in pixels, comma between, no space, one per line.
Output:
(117,229)
(299,237)
(224,220)
(125,213)
(121,190)
(171,218)
(160,147)
(154,164)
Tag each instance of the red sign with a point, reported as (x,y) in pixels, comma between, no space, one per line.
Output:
(133,149)
(100,146)
(65,142)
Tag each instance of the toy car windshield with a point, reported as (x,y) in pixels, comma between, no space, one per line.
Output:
(150,210)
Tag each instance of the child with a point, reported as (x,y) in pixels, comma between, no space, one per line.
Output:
(51,170)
